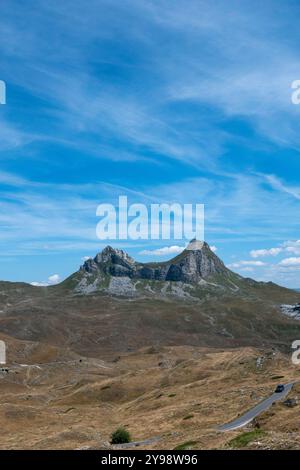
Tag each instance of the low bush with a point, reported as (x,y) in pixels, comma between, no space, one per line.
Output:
(120,436)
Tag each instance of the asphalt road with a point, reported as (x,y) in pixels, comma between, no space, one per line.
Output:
(251,414)
(127,445)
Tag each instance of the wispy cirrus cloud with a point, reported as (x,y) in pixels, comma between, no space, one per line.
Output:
(150,113)
(278,185)
(185,104)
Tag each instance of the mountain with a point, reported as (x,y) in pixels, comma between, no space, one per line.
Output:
(195,274)
(195,263)
(114,271)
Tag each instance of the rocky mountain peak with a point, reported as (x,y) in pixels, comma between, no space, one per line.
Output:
(195,245)
(107,258)
(195,263)
(113,255)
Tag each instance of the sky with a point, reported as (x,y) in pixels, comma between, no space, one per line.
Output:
(161,101)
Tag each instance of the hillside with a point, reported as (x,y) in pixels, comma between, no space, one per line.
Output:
(179,395)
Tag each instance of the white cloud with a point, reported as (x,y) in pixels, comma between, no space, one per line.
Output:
(293,247)
(166,250)
(169,250)
(290,262)
(39,284)
(240,264)
(52,280)
(289,247)
(265,252)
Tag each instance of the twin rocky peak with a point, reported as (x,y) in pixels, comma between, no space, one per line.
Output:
(196,262)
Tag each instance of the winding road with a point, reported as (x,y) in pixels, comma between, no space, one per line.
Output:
(251,414)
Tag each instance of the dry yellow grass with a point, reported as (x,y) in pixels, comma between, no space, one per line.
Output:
(181,394)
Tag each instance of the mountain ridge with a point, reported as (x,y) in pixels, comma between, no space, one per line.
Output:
(192,265)
(196,273)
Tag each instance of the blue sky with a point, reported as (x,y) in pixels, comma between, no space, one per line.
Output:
(169,101)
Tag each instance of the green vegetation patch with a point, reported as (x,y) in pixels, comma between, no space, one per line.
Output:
(185,445)
(120,436)
(244,439)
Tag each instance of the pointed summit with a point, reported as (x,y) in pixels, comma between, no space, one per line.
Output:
(110,261)
(195,245)
(112,255)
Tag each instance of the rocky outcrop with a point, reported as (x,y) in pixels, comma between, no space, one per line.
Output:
(195,263)
(291,310)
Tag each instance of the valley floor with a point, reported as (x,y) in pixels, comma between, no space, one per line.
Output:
(174,396)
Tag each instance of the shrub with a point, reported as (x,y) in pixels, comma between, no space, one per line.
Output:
(188,417)
(120,436)
(105,387)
